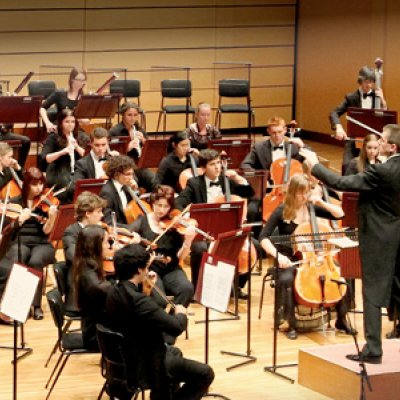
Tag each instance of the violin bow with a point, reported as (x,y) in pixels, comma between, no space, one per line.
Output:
(171,224)
(43,198)
(362,125)
(3,215)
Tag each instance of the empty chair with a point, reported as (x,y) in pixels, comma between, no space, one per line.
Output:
(235,88)
(175,89)
(117,384)
(129,89)
(43,88)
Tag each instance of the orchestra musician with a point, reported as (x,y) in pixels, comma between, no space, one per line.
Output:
(90,284)
(6,134)
(379,226)
(285,220)
(368,155)
(201,131)
(91,165)
(206,189)
(149,361)
(6,162)
(175,161)
(60,152)
(64,99)
(172,244)
(34,227)
(129,126)
(364,97)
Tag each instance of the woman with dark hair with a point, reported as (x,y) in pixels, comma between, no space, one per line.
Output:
(60,152)
(171,277)
(34,227)
(175,161)
(89,281)
(64,99)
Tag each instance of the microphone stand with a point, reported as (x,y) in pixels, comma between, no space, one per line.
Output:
(363,370)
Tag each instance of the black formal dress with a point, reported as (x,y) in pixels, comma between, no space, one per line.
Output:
(378,229)
(172,278)
(150,363)
(198,141)
(59,98)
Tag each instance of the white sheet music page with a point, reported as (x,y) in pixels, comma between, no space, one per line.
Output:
(217,284)
(19,293)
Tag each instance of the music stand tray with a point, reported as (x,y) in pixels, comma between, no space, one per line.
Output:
(375,119)
(236,149)
(153,152)
(119,143)
(89,185)
(65,217)
(20,109)
(95,106)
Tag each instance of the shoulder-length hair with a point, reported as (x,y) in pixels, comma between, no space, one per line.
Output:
(62,140)
(362,159)
(298,184)
(31,177)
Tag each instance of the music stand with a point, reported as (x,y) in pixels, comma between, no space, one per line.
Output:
(89,185)
(93,106)
(153,152)
(227,218)
(236,149)
(228,246)
(65,217)
(119,143)
(375,119)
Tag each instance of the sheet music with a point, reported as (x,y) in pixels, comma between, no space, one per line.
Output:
(19,293)
(343,242)
(217,285)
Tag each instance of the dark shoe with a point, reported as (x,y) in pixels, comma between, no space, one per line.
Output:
(344,327)
(292,334)
(365,358)
(37,313)
(394,334)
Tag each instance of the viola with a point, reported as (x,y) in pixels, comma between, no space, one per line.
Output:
(281,171)
(314,283)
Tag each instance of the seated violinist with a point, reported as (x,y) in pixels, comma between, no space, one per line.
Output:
(286,218)
(116,191)
(173,245)
(91,165)
(6,163)
(35,220)
(208,188)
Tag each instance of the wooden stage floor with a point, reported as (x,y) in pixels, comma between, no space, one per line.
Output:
(81,379)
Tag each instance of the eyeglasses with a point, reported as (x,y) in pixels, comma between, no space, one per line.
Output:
(80,80)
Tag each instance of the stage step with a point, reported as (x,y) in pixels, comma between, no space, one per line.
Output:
(326,370)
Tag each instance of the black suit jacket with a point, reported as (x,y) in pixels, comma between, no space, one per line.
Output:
(196,191)
(84,168)
(379,222)
(69,239)
(260,156)
(350,100)
(142,322)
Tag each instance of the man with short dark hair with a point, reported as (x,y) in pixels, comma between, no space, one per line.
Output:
(379,228)
(142,322)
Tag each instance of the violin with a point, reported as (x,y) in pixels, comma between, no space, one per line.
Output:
(13,211)
(315,282)
(47,199)
(281,171)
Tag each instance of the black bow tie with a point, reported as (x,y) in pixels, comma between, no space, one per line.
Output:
(102,159)
(365,95)
(277,147)
(214,184)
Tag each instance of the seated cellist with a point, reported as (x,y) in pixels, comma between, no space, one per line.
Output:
(285,219)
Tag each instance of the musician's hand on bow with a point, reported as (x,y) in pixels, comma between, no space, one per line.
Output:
(311,158)
(283,261)
(340,133)
(24,216)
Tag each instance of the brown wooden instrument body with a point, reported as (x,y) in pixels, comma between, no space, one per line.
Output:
(313,282)
(243,258)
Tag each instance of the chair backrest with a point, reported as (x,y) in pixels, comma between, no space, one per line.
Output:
(176,88)
(61,274)
(234,88)
(41,88)
(126,87)
(56,308)
(111,346)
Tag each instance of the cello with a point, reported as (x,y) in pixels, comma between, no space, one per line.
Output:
(316,280)
(281,171)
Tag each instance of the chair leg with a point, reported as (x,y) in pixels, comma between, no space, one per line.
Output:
(159,121)
(57,376)
(56,344)
(164,123)
(54,370)
(103,389)
(264,281)
(218,120)
(45,272)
